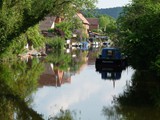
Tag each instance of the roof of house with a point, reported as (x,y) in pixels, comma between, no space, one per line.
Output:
(93,21)
(82,18)
(47,23)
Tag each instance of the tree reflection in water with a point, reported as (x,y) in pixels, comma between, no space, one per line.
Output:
(59,58)
(140,101)
(17,81)
(64,115)
(63,61)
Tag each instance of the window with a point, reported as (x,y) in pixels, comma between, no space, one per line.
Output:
(109,52)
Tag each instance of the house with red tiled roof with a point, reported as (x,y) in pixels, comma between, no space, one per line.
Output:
(85,22)
(93,23)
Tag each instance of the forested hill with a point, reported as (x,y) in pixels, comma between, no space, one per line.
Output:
(113,12)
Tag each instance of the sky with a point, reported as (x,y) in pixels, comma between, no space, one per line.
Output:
(112,3)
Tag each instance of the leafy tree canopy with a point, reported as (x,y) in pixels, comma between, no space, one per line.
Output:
(17,16)
(140,32)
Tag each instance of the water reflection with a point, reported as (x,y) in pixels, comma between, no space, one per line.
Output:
(140,100)
(60,67)
(16,87)
(64,115)
(87,94)
(63,85)
(54,77)
(112,74)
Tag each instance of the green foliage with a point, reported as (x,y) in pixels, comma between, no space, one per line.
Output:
(56,43)
(66,27)
(78,61)
(107,24)
(142,96)
(156,65)
(17,76)
(140,99)
(17,16)
(60,59)
(17,45)
(63,115)
(90,13)
(76,23)
(111,27)
(103,22)
(18,80)
(56,54)
(33,34)
(69,26)
(68,8)
(140,32)
(96,13)
(113,12)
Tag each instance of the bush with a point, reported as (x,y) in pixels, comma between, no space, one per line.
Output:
(56,44)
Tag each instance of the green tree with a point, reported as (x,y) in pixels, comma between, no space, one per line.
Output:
(107,24)
(63,115)
(140,32)
(16,47)
(103,22)
(33,35)
(69,26)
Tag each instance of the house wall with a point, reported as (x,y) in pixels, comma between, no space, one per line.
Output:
(53,25)
(93,23)
(93,27)
(86,27)
(85,23)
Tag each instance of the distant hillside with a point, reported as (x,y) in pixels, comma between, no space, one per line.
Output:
(113,12)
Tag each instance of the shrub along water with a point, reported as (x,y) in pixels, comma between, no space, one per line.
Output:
(139,33)
(17,46)
(56,53)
